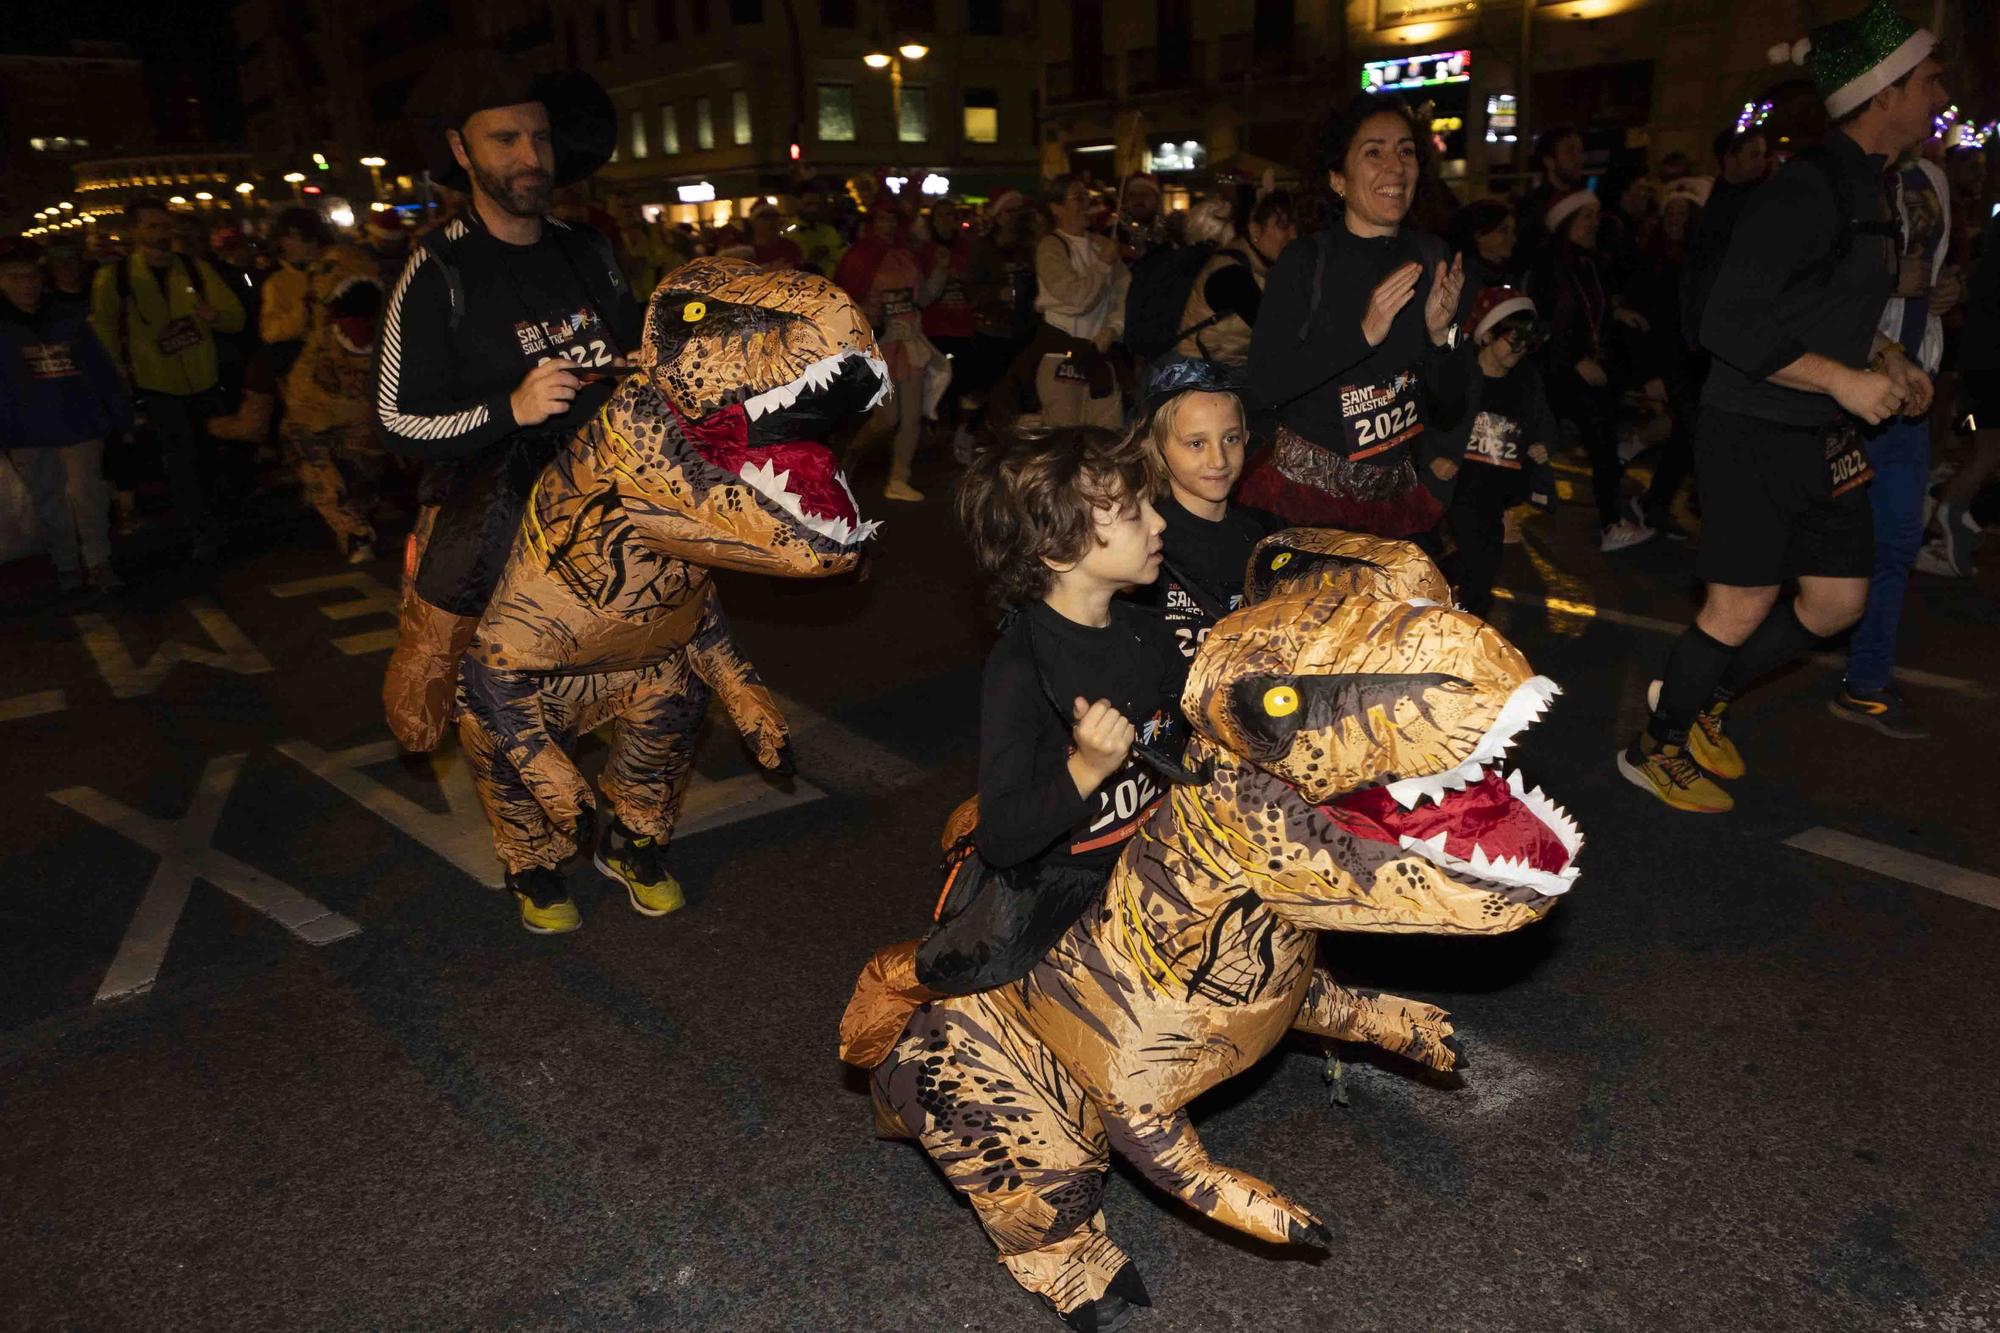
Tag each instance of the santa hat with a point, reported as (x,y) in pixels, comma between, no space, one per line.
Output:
(1003,200)
(1853,59)
(1493,305)
(1561,209)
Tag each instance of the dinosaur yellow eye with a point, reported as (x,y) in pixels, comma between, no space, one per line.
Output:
(1280,560)
(694,312)
(1281,701)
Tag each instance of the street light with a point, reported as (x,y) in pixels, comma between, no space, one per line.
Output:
(65,205)
(245,188)
(295,179)
(375,165)
(877,58)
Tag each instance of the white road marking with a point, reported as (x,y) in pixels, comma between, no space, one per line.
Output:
(459,836)
(129,680)
(186,853)
(1563,606)
(1910,867)
(371,597)
(711,805)
(33,705)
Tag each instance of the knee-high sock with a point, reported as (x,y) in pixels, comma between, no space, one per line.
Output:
(1781,638)
(1695,668)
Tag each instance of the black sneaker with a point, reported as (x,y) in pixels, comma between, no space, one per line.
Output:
(1884,710)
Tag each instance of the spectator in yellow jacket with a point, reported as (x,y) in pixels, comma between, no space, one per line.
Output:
(158,313)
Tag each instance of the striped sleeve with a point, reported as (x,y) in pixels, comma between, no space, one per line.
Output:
(416,414)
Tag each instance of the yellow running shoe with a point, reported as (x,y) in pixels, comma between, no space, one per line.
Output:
(634,860)
(1708,744)
(1670,774)
(546,907)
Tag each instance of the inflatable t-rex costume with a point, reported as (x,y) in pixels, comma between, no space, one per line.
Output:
(1356,733)
(709,456)
(327,435)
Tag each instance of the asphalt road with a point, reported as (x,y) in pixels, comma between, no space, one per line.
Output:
(273,1055)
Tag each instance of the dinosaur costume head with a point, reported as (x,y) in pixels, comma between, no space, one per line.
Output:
(329,385)
(755,368)
(1360,781)
(1341,564)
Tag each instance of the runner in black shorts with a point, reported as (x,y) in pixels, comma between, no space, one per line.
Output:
(1778,456)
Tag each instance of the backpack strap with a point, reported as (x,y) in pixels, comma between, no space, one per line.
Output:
(438,247)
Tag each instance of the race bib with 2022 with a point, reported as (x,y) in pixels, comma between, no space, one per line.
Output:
(1376,418)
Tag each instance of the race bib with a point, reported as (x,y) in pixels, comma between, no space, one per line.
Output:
(954,292)
(1847,464)
(1376,418)
(1495,441)
(577,334)
(49,361)
(177,335)
(898,301)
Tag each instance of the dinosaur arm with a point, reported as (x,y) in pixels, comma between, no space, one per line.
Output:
(713,654)
(508,705)
(1167,1151)
(1409,1028)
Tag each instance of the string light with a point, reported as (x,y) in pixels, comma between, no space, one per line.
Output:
(1752,115)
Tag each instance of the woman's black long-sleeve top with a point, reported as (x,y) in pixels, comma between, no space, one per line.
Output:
(1308,349)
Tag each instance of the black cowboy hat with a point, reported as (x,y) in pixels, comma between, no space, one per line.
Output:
(582,119)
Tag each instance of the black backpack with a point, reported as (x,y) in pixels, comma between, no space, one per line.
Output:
(1162,281)
(1705,266)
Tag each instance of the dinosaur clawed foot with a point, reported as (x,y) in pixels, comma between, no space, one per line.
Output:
(1314,1233)
(1113,1310)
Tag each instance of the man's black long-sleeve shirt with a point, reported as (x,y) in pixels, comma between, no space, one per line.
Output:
(1799,278)
(443,382)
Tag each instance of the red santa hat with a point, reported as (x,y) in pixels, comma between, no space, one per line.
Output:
(1560,210)
(1493,305)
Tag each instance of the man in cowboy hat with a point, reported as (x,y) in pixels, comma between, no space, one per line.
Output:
(1800,368)
(505,331)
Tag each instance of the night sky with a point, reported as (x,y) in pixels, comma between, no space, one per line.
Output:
(189,48)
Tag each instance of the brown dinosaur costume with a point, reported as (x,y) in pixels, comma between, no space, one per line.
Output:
(708,456)
(1356,733)
(328,439)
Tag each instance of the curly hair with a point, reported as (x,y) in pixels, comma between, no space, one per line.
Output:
(1030,499)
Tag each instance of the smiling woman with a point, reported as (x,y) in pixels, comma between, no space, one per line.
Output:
(1355,346)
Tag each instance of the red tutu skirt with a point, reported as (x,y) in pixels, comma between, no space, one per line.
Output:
(1311,487)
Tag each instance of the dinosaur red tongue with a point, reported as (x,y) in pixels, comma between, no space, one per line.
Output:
(722,438)
(359,330)
(1486,815)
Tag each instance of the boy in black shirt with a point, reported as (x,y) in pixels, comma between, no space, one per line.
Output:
(1195,425)
(1060,524)
(1507,455)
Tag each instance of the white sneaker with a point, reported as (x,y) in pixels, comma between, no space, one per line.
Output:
(1622,534)
(1956,531)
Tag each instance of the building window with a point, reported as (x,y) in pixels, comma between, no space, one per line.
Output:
(982,115)
(985,18)
(670,130)
(746,11)
(638,135)
(704,124)
(699,12)
(836,13)
(666,18)
(912,15)
(631,26)
(835,108)
(603,33)
(916,126)
(739,116)
(1271,30)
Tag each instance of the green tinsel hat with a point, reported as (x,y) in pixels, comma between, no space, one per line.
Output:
(1853,59)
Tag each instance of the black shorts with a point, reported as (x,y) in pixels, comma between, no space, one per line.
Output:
(1768,512)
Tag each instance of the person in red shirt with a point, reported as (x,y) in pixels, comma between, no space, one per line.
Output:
(769,247)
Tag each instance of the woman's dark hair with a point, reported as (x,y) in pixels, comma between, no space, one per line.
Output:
(1340,133)
(1474,221)
(304,223)
(1031,498)
(1058,187)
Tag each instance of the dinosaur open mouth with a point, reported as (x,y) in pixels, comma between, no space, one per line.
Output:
(352,311)
(1476,821)
(795,476)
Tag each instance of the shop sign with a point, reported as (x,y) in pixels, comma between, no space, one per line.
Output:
(1425,71)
